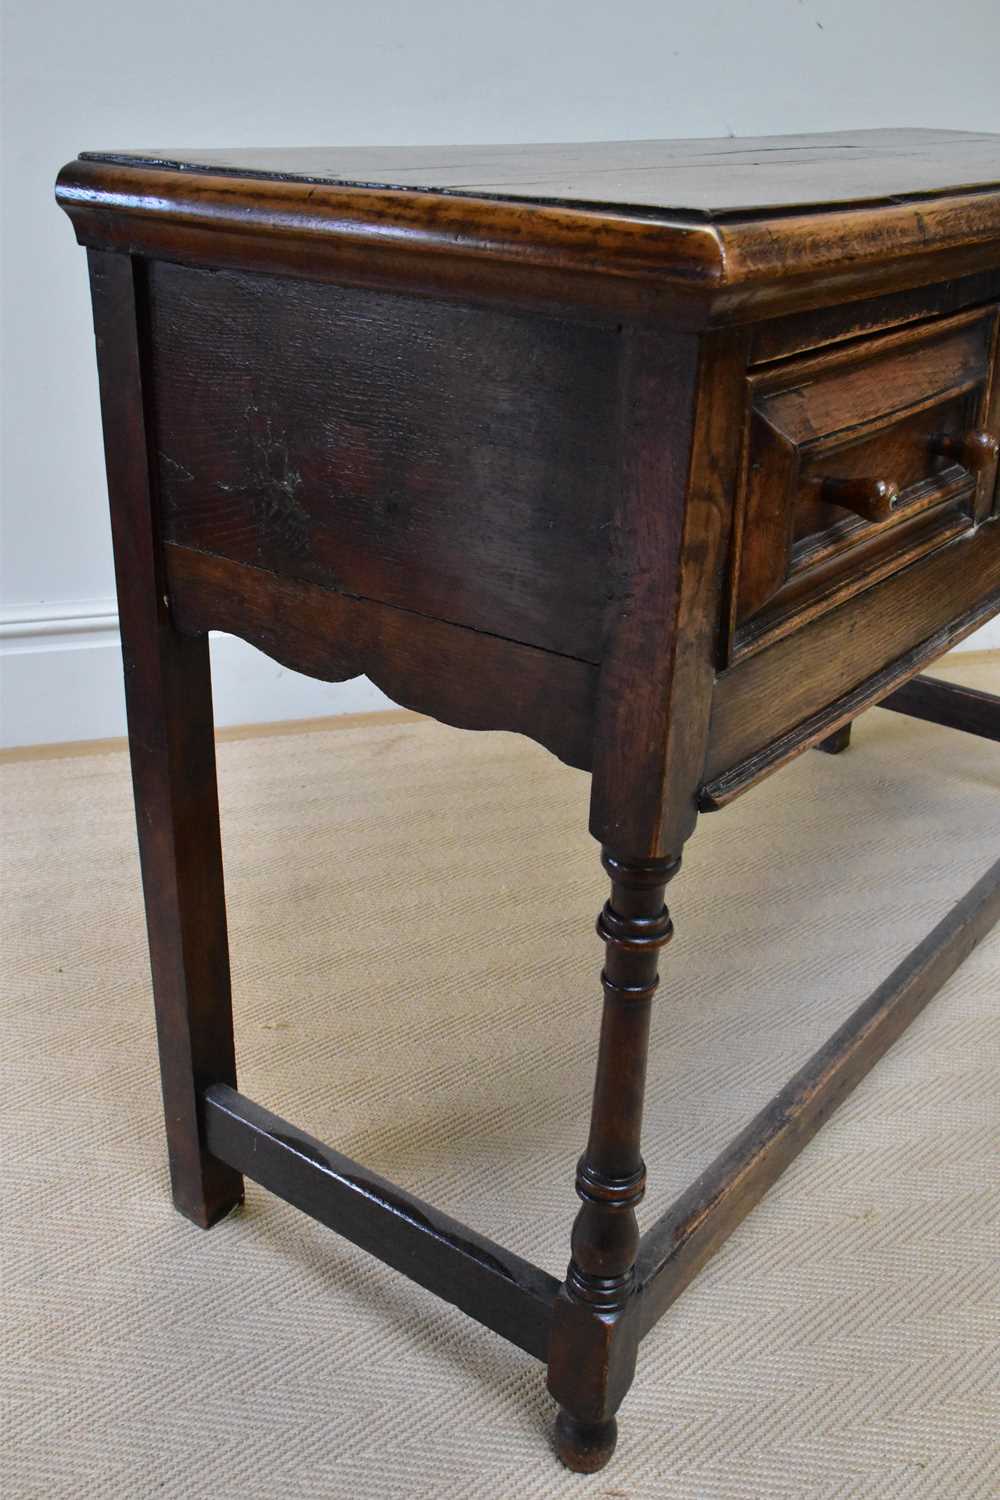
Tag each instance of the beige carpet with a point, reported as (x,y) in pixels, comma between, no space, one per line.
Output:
(416,983)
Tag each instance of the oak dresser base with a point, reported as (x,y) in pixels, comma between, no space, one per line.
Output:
(516,1298)
(674,457)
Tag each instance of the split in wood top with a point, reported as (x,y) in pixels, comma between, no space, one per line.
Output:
(687,229)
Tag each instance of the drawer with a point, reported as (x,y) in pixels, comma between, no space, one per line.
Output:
(794,691)
(856,463)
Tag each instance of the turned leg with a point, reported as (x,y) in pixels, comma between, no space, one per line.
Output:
(595,1331)
(836,742)
(169,699)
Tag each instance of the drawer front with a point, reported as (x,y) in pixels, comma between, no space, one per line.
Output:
(857,462)
(776,699)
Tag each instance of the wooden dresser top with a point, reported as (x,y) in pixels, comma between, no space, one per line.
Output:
(702,178)
(695,231)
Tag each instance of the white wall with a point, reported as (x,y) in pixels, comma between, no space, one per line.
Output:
(236,72)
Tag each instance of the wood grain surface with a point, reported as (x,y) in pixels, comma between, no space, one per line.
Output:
(463,677)
(691,232)
(707,176)
(457,462)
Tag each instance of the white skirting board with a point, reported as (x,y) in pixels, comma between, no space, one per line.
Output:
(61,678)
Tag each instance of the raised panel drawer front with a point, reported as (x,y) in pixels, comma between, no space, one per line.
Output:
(857,462)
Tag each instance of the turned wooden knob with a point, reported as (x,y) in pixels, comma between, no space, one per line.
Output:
(873,499)
(974,450)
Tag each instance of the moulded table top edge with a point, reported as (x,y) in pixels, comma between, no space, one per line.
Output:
(932,213)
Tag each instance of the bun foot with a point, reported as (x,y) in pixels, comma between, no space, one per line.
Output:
(585,1447)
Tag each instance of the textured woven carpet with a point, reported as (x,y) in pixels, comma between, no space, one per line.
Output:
(416,983)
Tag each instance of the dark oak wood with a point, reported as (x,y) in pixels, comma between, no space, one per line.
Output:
(464,677)
(798,333)
(169,700)
(698,1223)
(820,726)
(491,1284)
(837,742)
(709,176)
(975,450)
(850,215)
(453,461)
(595,1335)
(657,673)
(673,456)
(448,248)
(769,698)
(863,445)
(949,704)
(871,499)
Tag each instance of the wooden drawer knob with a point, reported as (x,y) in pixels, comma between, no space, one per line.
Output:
(873,499)
(974,450)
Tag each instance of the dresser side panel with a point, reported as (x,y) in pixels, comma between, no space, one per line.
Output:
(453,461)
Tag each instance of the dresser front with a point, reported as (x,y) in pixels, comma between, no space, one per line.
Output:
(865,518)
